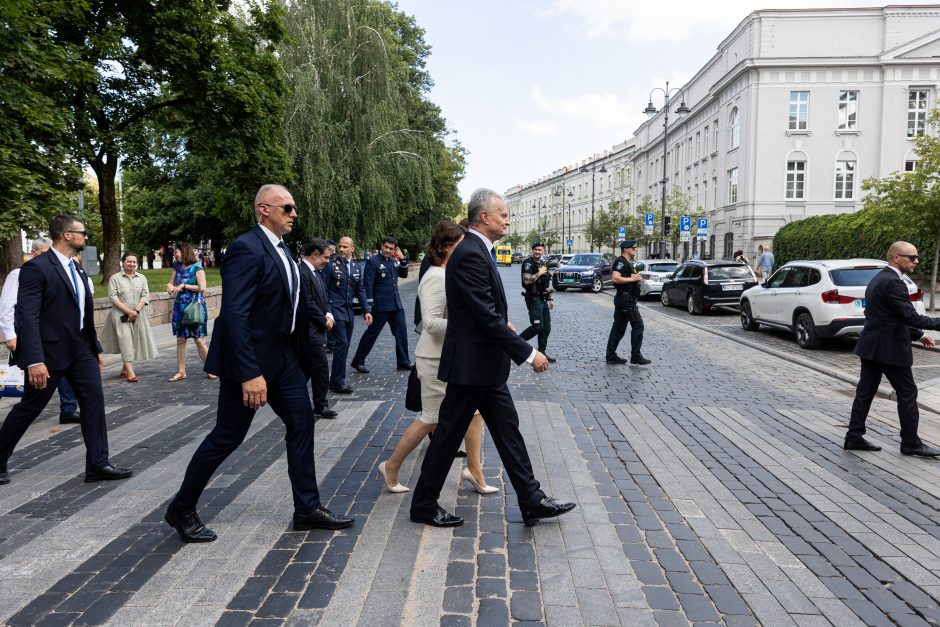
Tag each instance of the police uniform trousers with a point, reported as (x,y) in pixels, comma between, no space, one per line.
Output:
(396,321)
(342,332)
(625,308)
(540,321)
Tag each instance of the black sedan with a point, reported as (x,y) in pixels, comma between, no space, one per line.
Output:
(588,271)
(701,285)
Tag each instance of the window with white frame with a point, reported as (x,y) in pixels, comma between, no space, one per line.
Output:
(845,180)
(705,194)
(691,157)
(848,110)
(916,112)
(714,191)
(799,110)
(715,137)
(732,186)
(698,145)
(912,165)
(796,180)
(734,129)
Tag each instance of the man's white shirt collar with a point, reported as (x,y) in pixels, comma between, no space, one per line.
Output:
(900,274)
(274,239)
(486,240)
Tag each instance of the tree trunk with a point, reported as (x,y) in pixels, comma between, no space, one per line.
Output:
(110,242)
(933,275)
(11,255)
(151,257)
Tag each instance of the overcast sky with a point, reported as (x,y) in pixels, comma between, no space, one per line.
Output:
(530,86)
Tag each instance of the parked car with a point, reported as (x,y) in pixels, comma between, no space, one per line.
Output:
(504,255)
(518,257)
(654,272)
(701,284)
(565,259)
(588,271)
(553,260)
(817,299)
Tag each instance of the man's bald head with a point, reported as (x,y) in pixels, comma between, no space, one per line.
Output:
(268,193)
(345,247)
(901,248)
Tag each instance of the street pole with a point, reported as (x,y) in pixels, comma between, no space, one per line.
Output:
(570,195)
(651,111)
(594,169)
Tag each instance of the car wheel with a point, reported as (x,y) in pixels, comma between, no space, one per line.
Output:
(690,305)
(747,318)
(805,331)
(664,298)
(597,285)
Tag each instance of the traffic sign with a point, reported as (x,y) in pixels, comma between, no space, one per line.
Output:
(685,224)
(569,243)
(622,232)
(702,228)
(649,223)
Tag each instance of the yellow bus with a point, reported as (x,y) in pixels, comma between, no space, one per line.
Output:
(504,255)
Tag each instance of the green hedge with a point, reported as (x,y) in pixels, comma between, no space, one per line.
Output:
(847,235)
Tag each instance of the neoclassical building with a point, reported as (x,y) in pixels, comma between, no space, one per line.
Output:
(791,114)
(565,196)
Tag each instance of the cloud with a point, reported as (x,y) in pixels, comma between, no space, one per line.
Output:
(542,129)
(604,111)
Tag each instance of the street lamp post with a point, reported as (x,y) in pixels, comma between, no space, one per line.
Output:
(570,196)
(651,111)
(603,170)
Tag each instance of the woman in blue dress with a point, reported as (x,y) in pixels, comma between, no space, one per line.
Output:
(188,284)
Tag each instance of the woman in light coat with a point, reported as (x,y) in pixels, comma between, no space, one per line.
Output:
(433,299)
(127,329)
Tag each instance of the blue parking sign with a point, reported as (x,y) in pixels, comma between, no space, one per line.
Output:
(685,223)
(622,232)
(650,219)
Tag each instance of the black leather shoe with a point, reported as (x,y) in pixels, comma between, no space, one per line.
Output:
(616,359)
(860,444)
(107,473)
(73,418)
(360,368)
(341,389)
(439,518)
(405,367)
(920,451)
(4,475)
(551,360)
(189,527)
(547,508)
(640,361)
(326,413)
(322,518)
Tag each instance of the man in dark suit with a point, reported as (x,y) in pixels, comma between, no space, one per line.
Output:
(381,282)
(254,351)
(475,364)
(55,327)
(316,254)
(344,281)
(891,324)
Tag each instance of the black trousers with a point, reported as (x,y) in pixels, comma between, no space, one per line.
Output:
(499,413)
(540,321)
(319,376)
(619,328)
(396,321)
(85,376)
(288,397)
(902,380)
(342,332)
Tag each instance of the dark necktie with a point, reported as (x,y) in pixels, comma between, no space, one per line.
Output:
(493,255)
(293,272)
(75,291)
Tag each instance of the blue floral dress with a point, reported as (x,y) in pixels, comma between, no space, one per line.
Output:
(187,276)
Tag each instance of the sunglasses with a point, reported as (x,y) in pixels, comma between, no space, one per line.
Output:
(288,208)
(914,258)
(82,233)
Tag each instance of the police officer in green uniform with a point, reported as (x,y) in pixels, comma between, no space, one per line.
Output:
(537,281)
(626,281)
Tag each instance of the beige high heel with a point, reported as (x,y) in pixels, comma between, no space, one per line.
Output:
(397,488)
(482,489)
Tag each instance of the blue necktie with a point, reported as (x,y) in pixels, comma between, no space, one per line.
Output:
(493,255)
(75,290)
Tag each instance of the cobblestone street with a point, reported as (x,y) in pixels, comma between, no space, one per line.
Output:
(711,487)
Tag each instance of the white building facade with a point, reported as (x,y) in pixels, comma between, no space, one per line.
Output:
(567,196)
(794,111)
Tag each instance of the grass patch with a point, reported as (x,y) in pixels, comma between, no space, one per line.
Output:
(157,280)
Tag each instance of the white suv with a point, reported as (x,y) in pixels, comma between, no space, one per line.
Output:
(817,299)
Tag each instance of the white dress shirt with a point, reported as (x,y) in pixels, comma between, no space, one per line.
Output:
(489,248)
(79,283)
(316,275)
(289,267)
(8,304)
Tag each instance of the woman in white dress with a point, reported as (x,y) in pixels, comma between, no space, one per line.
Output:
(433,299)
(127,330)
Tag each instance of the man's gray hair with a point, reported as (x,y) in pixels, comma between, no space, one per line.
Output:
(482,199)
(39,242)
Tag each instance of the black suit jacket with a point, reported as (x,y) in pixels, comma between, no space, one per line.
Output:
(253,329)
(891,322)
(46,315)
(318,304)
(479,343)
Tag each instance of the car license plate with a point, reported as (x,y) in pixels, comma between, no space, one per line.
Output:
(567,280)
(731,287)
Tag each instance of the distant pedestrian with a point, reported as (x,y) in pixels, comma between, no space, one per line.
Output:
(344,280)
(127,329)
(188,284)
(539,299)
(55,317)
(739,256)
(320,321)
(68,404)
(765,264)
(626,310)
(380,279)
(884,346)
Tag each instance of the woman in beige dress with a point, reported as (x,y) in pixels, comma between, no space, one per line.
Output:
(127,330)
(427,358)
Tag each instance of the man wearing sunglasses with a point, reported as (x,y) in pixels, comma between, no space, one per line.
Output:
(891,324)
(55,327)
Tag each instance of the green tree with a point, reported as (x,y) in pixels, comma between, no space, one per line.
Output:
(514,240)
(544,234)
(607,223)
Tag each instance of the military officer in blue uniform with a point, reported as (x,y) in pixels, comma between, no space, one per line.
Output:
(381,281)
(344,281)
